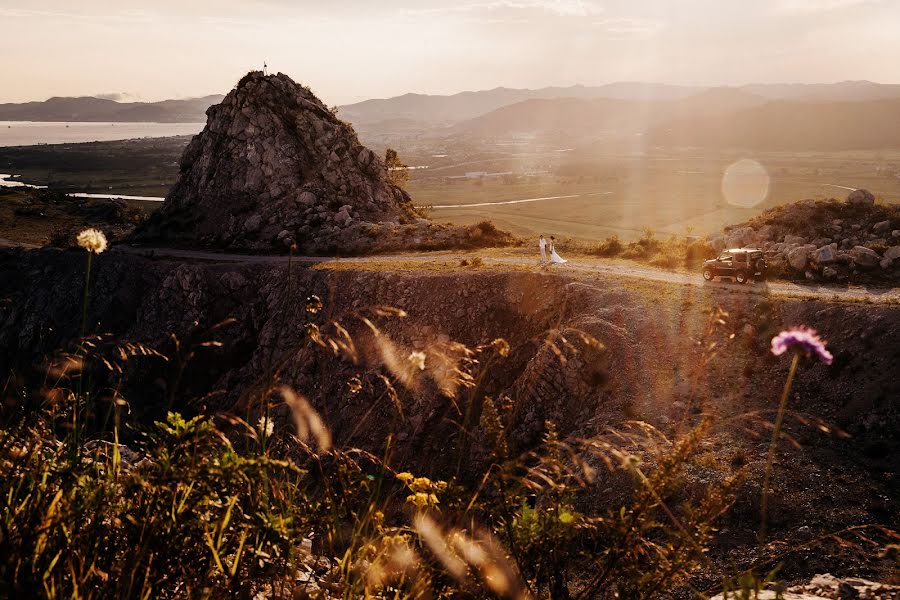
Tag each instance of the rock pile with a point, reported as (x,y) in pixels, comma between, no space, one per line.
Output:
(828,240)
(275,167)
(827,587)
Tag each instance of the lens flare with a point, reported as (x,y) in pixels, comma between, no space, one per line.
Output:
(745,183)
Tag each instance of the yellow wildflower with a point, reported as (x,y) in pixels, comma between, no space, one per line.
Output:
(420,499)
(421,484)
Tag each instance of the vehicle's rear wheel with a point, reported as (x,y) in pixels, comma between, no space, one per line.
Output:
(707,274)
(740,277)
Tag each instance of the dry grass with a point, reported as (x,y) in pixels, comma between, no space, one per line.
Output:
(240,502)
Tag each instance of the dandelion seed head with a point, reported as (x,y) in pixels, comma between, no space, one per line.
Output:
(92,240)
(804,340)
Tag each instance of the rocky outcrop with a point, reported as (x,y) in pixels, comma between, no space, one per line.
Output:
(798,257)
(864,257)
(861,197)
(274,167)
(844,241)
(827,587)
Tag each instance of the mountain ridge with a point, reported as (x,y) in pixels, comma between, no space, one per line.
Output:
(716,118)
(461,106)
(440,109)
(93,109)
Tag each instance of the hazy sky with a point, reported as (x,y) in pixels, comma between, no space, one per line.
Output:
(348,50)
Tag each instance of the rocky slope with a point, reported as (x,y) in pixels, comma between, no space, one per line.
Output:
(275,167)
(670,353)
(853,241)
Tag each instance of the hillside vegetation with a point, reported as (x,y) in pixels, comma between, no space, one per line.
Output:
(305,433)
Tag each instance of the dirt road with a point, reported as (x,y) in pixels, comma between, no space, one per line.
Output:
(845,293)
(589,265)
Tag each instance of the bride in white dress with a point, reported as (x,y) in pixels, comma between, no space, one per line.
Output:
(555,258)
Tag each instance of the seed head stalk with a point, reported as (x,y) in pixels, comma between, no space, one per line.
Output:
(93,241)
(84,311)
(84,301)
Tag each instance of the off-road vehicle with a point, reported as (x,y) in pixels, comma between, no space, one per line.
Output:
(742,264)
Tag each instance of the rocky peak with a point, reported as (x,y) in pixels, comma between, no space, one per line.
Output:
(273,167)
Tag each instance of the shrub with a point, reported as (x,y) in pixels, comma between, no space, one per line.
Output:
(666,260)
(488,228)
(397,170)
(611,246)
(635,251)
(697,251)
(62,237)
(475,261)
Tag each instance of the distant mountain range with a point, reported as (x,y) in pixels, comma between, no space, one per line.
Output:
(845,115)
(192,110)
(581,118)
(789,125)
(468,105)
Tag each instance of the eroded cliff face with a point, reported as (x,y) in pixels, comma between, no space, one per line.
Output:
(664,348)
(668,354)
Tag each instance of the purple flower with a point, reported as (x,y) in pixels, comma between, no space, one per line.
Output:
(805,340)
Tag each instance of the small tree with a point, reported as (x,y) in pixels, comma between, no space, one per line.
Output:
(397,171)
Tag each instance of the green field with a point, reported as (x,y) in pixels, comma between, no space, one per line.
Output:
(669,192)
(625,195)
(144,167)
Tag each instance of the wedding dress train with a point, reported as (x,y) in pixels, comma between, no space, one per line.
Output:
(555,258)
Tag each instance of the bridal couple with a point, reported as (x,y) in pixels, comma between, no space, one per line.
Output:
(555,259)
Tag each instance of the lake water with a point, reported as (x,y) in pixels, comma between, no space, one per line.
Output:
(30,133)
(7,180)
